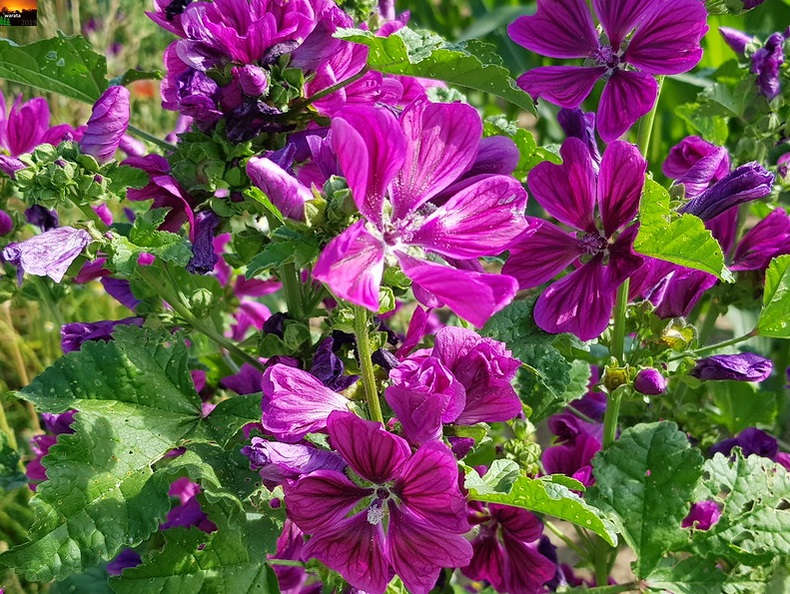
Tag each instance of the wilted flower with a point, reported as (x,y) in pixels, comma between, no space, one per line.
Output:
(766,63)
(204,258)
(107,124)
(49,254)
(743,367)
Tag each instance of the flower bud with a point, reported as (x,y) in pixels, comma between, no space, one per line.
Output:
(746,183)
(253,80)
(6,223)
(614,377)
(649,381)
(107,124)
(744,367)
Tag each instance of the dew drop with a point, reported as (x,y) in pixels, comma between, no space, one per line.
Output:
(52,55)
(61,63)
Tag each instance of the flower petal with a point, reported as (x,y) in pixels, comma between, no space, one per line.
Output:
(474,296)
(619,17)
(620,184)
(766,240)
(558,29)
(370,148)
(322,498)
(566,86)
(352,265)
(567,191)
(356,549)
(626,97)
(541,254)
(668,42)
(49,254)
(581,303)
(526,570)
(417,551)
(516,522)
(441,143)
(480,220)
(488,561)
(373,453)
(428,486)
(285,191)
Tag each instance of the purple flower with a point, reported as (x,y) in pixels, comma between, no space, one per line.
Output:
(49,254)
(295,403)
(6,223)
(650,381)
(696,163)
(253,80)
(247,381)
(763,242)
(204,257)
(286,192)
(41,217)
(485,368)
(766,63)
(188,512)
(578,124)
(582,301)
(752,441)
(702,515)
(506,550)
(107,124)
(743,367)
(737,40)
(126,558)
(26,126)
(574,457)
(394,168)
(417,493)
(644,39)
(424,394)
(329,368)
(75,334)
(56,424)
(744,184)
(276,462)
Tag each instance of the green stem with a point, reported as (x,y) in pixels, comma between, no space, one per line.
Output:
(328,91)
(720,345)
(617,348)
(92,216)
(559,534)
(611,414)
(629,587)
(709,323)
(143,135)
(285,562)
(182,310)
(293,290)
(646,123)
(6,428)
(366,364)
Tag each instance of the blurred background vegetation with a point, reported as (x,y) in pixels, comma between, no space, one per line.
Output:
(30,321)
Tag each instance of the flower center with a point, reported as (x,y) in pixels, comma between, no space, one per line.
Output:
(592,243)
(605,55)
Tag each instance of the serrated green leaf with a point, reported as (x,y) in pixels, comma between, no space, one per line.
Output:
(550,498)
(137,402)
(133,75)
(645,480)
(11,477)
(530,154)
(65,65)
(498,479)
(742,405)
(473,65)
(712,128)
(754,526)
(123,177)
(680,239)
(775,317)
(229,416)
(93,581)
(144,237)
(689,576)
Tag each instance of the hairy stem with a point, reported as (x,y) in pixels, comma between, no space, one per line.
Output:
(143,135)
(366,364)
(292,287)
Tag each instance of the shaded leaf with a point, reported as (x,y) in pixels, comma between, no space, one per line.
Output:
(775,317)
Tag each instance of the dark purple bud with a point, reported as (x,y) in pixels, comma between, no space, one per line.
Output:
(49,254)
(60,163)
(204,258)
(10,165)
(120,290)
(578,124)
(744,367)
(253,80)
(328,367)
(6,223)
(175,8)
(702,515)
(384,359)
(107,124)
(275,325)
(737,40)
(749,4)
(461,446)
(766,63)
(246,381)
(73,335)
(126,558)
(649,381)
(277,462)
(751,441)
(41,217)
(748,182)
(696,163)
(271,55)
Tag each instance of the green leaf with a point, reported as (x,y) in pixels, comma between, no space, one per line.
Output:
(754,526)
(144,237)
(65,65)
(645,480)
(742,405)
(775,317)
(473,64)
(680,239)
(229,416)
(498,479)
(93,581)
(530,154)
(11,477)
(546,497)
(137,401)
(133,75)
(689,576)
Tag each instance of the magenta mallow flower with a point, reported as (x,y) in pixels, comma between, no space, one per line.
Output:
(702,515)
(576,443)
(752,441)
(650,381)
(295,403)
(696,164)
(766,64)
(277,462)
(601,252)
(55,424)
(642,39)
(743,367)
(107,124)
(75,334)
(394,168)
(506,552)
(188,511)
(407,512)
(49,254)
